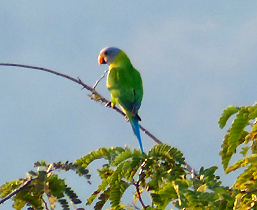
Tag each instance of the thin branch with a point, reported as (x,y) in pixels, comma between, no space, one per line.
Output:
(50,71)
(248,191)
(97,97)
(149,134)
(16,190)
(139,194)
(46,207)
(91,89)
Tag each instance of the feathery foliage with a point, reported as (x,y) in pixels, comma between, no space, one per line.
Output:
(43,185)
(158,179)
(160,174)
(242,131)
(241,136)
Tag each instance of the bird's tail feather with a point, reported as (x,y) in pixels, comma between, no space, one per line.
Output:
(135,126)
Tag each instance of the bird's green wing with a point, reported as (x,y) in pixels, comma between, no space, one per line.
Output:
(125,86)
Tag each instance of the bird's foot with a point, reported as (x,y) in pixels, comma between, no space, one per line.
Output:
(126,118)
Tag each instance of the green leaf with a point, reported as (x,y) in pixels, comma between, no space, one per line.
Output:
(63,202)
(165,195)
(119,173)
(210,171)
(8,187)
(246,180)
(252,135)
(252,159)
(72,195)
(227,113)
(30,195)
(253,111)
(225,154)
(122,157)
(33,173)
(166,151)
(244,151)
(101,187)
(56,186)
(202,188)
(171,191)
(193,199)
(98,154)
(103,198)
(237,128)
(108,154)
(41,163)
(116,194)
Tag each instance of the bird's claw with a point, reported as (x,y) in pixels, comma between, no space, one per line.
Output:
(126,118)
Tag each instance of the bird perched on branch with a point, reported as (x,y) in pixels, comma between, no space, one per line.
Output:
(125,85)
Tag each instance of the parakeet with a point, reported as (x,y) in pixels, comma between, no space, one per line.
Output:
(125,85)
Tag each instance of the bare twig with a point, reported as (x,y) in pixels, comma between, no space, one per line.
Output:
(94,87)
(139,194)
(46,207)
(50,71)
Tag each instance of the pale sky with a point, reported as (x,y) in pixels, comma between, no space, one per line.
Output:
(195,57)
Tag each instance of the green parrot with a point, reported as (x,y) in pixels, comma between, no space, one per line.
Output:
(125,85)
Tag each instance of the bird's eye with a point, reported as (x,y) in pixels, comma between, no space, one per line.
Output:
(105,53)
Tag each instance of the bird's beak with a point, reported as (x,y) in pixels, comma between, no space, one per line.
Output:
(101,60)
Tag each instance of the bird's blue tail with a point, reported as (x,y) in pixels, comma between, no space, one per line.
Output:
(135,126)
